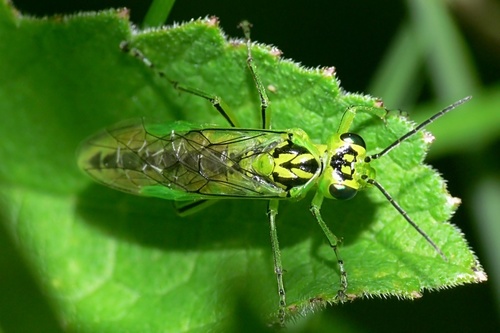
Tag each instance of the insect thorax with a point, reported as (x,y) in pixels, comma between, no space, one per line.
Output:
(294,165)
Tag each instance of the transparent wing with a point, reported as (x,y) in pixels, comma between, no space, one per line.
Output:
(173,162)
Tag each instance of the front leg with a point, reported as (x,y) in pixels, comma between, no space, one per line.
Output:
(333,241)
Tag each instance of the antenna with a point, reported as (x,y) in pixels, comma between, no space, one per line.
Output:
(405,215)
(417,129)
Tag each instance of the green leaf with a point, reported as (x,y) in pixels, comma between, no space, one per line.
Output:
(108,260)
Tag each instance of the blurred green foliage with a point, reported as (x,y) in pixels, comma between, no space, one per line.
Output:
(417,56)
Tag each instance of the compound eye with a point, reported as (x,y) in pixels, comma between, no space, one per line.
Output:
(354,139)
(342,192)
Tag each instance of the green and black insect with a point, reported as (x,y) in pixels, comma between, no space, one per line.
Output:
(193,163)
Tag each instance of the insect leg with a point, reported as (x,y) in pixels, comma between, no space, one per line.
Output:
(333,241)
(350,114)
(216,101)
(185,208)
(264,100)
(272,211)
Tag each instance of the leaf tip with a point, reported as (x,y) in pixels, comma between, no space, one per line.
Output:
(211,21)
(479,274)
(454,201)
(329,71)
(123,13)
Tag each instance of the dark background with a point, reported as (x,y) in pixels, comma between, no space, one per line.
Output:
(353,36)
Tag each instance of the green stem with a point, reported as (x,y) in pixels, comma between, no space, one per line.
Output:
(158,13)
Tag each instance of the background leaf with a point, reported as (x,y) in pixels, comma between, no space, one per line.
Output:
(64,101)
